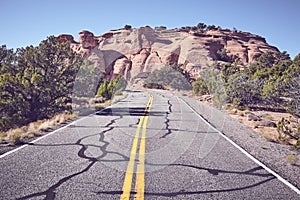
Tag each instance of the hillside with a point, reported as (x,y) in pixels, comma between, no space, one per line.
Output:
(135,52)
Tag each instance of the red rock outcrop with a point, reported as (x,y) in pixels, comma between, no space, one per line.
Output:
(137,52)
(66,38)
(87,40)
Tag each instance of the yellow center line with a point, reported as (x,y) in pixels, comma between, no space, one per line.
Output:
(140,184)
(140,176)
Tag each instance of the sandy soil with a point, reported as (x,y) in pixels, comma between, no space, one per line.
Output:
(270,133)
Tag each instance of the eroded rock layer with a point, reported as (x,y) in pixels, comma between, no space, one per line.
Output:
(136,52)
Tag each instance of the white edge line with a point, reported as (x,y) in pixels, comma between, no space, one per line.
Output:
(291,186)
(48,134)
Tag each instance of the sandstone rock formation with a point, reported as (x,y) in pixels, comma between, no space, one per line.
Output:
(136,52)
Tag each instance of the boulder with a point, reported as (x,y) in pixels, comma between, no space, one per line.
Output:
(267,123)
(252,117)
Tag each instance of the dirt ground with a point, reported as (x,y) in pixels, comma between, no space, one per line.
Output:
(267,131)
(270,133)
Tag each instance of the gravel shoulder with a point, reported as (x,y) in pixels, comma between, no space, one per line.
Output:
(272,154)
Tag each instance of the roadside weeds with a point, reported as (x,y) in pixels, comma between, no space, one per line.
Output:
(21,135)
(34,129)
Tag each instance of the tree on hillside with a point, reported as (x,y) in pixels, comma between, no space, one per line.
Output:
(290,88)
(281,56)
(88,79)
(201,26)
(271,81)
(39,82)
(194,28)
(211,82)
(127,27)
(266,60)
(211,28)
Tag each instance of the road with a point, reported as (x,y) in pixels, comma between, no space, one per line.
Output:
(151,145)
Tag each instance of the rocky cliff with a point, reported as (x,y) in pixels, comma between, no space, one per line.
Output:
(135,52)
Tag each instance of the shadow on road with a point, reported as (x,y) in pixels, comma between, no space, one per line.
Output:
(257,171)
(132,111)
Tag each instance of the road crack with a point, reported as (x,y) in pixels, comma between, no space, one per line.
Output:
(50,192)
(167,120)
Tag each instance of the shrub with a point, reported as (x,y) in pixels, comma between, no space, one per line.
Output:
(200,87)
(222,54)
(171,76)
(154,86)
(108,89)
(127,27)
(216,86)
(284,130)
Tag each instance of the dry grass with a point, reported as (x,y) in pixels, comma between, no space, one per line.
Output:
(46,125)
(14,136)
(233,111)
(34,129)
(242,114)
(18,135)
(2,136)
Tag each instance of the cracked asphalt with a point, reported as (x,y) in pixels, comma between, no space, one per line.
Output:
(185,158)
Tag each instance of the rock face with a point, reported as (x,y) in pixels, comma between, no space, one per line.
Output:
(87,40)
(136,52)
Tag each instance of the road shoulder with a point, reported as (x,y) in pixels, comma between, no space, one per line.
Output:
(271,154)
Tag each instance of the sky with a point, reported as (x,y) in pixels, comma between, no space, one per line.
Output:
(27,22)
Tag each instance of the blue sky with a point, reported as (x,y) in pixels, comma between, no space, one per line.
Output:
(27,22)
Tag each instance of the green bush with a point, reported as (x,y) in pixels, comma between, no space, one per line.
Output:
(283,128)
(222,54)
(211,82)
(169,77)
(108,89)
(200,87)
(267,82)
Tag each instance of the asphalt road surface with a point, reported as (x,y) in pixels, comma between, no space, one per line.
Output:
(151,145)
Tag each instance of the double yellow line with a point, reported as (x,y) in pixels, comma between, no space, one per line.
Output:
(140,176)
